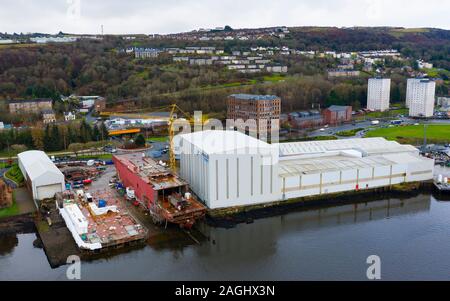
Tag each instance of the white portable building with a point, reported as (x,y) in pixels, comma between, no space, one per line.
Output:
(42,176)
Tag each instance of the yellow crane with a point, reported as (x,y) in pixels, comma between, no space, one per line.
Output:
(172,109)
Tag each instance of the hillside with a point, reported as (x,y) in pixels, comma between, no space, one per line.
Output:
(95,67)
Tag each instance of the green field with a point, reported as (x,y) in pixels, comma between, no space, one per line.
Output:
(10,211)
(414,134)
(157,139)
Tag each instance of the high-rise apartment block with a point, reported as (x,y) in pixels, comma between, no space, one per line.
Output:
(420,95)
(379,90)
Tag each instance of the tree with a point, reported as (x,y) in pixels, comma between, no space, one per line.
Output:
(18,148)
(76,147)
(104,131)
(47,139)
(139,141)
(96,135)
(38,137)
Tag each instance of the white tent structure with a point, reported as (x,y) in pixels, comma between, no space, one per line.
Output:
(42,176)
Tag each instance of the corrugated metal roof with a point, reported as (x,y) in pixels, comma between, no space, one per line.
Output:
(369,146)
(254,97)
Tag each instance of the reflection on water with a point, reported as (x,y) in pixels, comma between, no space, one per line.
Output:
(259,239)
(7,243)
(411,236)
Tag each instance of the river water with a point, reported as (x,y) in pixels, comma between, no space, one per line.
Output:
(411,237)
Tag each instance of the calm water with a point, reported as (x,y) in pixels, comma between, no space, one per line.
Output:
(411,236)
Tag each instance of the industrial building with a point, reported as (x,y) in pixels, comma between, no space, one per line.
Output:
(228,168)
(41,175)
(378,94)
(337,114)
(260,108)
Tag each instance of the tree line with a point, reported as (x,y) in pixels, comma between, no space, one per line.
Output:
(52,137)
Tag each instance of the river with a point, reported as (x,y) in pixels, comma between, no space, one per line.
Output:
(411,237)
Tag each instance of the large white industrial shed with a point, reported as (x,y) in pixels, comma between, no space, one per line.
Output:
(224,169)
(42,176)
(228,168)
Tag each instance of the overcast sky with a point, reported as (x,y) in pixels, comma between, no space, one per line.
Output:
(168,16)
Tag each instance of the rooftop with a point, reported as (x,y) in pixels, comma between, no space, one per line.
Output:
(153,173)
(367,146)
(30,100)
(335,108)
(254,97)
(219,142)
(37,163)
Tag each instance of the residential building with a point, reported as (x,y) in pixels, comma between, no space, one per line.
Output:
(343,73)
(69,116)
(337,114)
(422,97)
(261,108)
(409,89)
(443,101)
(30,106)
(378,94)
(48,116)
(145,53)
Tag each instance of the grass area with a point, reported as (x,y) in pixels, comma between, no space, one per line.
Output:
(4,46)
(10,211)
(399,32)
(414,134)
(15,174)
(436,72)
(349,133)
(157,139)
(274,78)
(386,114)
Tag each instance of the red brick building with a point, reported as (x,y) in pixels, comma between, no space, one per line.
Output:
(257,107)
(337,114)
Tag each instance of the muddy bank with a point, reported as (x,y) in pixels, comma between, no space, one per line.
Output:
(21,224)
(230,217)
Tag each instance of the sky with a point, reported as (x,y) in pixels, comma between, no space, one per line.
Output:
(172,16)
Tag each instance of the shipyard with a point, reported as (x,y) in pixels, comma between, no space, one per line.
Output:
(96,206)
(183,143)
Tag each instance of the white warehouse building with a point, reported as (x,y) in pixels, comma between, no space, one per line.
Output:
(226,168)
(41,175)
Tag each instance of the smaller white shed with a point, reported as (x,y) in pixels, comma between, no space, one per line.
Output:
(42,176)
